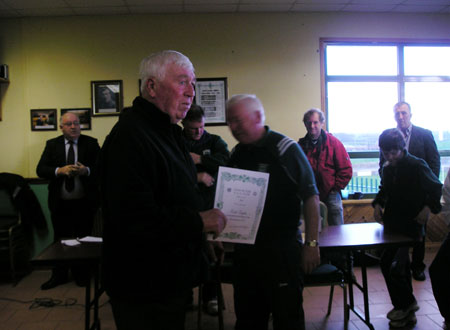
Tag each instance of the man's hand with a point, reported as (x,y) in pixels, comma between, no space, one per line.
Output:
(378,213)
(205,178)
(310,258)
(214,221)
(82,170)
(196,158)
(68,170)
(423,215)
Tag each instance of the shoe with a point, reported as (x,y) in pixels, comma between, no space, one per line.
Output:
(418,275)
(400,314)
(54,281)
(212,307)
(408,321)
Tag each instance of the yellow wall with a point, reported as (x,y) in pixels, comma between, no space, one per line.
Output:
(53,60)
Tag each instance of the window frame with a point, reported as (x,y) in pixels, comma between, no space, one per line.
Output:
(401,79)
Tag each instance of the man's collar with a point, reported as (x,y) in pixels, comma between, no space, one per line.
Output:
(408,129)
(66,140)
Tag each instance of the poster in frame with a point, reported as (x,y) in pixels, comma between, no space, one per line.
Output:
(211,94)
(84,114)
(107,97)
(43,119)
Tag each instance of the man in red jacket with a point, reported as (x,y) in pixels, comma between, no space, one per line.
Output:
(329,161)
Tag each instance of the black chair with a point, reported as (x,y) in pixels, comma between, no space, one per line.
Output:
(220,274)
(14,247)
(329,275)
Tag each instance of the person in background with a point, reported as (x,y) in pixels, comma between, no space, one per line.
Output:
(420,143)
(208,152)
(440,267)
(268,274)
(408,192)
(329,161)
(153,227)
(69,163)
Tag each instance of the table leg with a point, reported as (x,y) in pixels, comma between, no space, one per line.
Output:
(87,311)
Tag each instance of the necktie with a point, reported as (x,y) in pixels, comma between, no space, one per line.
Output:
(70,182)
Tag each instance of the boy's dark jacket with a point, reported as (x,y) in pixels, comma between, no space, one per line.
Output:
(404,191)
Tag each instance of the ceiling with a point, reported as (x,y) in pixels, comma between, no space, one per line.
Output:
(30,8)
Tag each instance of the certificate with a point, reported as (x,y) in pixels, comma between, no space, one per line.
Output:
(211,95)
(240,195)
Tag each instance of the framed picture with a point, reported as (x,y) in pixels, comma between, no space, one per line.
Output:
(84,114)
(43,119)
(211,94)
(107,97)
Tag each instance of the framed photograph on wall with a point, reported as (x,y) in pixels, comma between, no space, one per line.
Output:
(107,97)
(43,119)
(84,114)
(211,94)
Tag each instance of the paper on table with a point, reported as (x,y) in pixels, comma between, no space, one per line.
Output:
(240,195)
(91,239)
(70,242)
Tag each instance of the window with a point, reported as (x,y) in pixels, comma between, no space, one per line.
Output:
(362,82)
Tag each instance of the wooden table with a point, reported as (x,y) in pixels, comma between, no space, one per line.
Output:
(84,254)
(358,238)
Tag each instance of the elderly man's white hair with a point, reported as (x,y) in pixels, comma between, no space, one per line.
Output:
(253,103)
(155,65)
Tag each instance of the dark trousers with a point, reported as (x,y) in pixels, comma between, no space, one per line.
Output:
(72,219)
(254,303)
(440,278)
(168,314)
(418,254)
(395,266)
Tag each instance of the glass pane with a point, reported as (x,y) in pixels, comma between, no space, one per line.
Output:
(361,60)
(359,112)
(430,108)
(427,61)
(365,176)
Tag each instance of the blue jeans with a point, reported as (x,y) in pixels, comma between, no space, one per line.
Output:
(335,209)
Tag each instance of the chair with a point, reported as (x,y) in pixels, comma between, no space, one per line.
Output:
(328,275)
(13,240)
(221,274)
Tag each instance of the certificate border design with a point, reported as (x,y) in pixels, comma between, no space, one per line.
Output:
(260,182)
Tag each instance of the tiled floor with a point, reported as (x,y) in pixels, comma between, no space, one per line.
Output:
(16,310)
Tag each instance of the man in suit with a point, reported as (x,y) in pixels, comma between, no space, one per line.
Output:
(68,161)
(420,143)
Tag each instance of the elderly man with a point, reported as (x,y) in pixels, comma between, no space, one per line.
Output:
(329,161)
(69,161)
(153,230)
(440,267)
(420,143)
(409,191)
(268,274)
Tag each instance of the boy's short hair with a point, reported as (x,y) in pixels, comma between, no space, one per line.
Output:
(195,113)
(391,139)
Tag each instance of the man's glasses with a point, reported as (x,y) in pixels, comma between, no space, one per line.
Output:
(70,123)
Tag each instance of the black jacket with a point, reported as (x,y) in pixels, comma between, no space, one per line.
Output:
(54,156)
(152,229)
(405,189)
(422,145)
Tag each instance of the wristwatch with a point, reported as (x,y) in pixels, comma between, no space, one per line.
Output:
(312,243)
